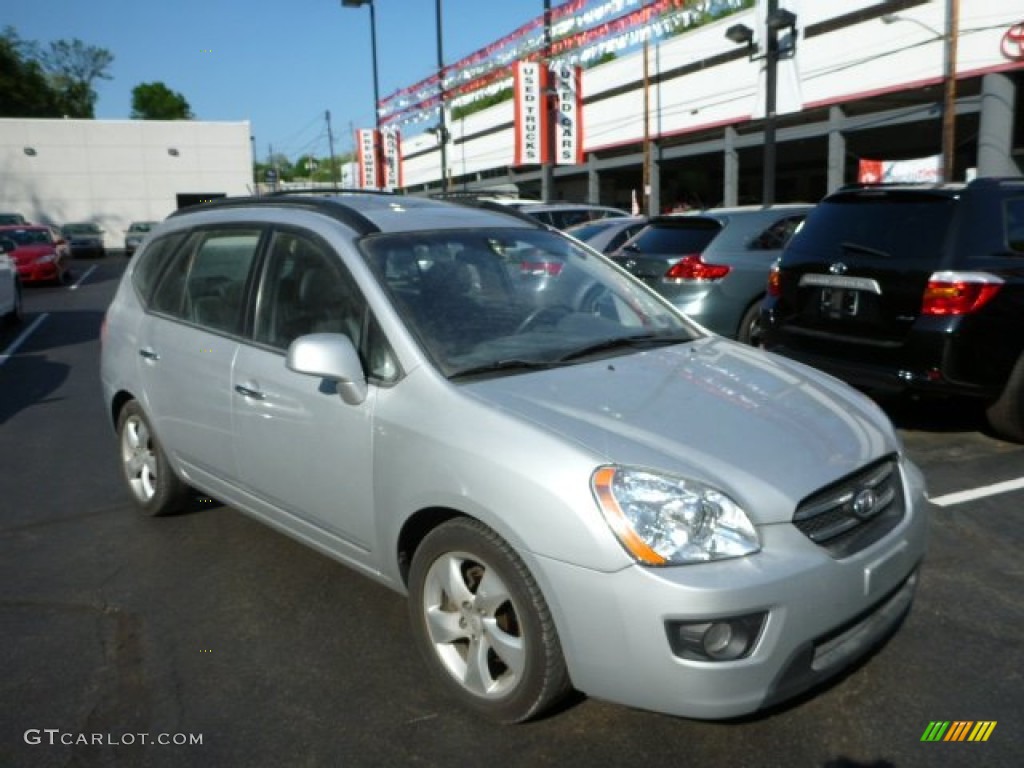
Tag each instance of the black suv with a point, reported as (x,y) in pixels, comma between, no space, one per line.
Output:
(901,288)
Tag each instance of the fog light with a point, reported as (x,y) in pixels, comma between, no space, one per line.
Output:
(723,639)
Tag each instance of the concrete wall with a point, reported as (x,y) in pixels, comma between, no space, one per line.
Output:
(114,172)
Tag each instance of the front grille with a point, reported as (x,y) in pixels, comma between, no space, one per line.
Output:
(855,512)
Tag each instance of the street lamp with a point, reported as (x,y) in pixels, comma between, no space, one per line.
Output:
(376,90)
(949,79)
(776,20)
(442,129)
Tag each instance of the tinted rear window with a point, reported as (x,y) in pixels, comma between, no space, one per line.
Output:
(909,228)
(690,235)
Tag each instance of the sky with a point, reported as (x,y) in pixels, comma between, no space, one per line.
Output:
(280,64)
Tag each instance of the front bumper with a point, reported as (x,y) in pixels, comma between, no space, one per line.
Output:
(45,272)
(823,614)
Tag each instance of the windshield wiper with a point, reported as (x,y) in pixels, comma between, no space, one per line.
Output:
(858,248)
(640,341)
(502,366)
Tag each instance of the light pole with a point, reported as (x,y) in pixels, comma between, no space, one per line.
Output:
(376,90)
(442,129)
(950,39)
(776,20)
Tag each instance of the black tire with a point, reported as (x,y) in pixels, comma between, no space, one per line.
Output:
(521,671)
(154,487)
(17,313)
(750,331)
(1006,415)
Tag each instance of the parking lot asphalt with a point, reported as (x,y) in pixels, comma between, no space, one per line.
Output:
(120,632)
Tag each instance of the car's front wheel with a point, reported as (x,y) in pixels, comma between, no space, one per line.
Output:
(750,331)
(150,479)
(1006,415)
(482,623)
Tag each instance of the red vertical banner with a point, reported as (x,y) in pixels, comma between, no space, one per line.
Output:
(366,156)
(391,139)
(531,118)
(569,123)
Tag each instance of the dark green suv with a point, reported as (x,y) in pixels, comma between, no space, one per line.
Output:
(910,288)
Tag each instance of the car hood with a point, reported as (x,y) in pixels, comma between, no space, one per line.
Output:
(767,431)
(26,253)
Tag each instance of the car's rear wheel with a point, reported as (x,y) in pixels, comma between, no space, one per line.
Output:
(750,331)
(17,312)
(1006,415)
(482,624)
(150,479)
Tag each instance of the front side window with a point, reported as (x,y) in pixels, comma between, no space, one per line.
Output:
(205,282)
(151,263)
(307,289)
(1014,218)
(775,237)
(505,300)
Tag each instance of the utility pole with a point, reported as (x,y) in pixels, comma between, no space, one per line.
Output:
(949,102)
(330,143)
(645,208)
(547,168)
(771,84)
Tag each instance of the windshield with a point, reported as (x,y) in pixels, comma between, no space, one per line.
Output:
(140,227)
(28,236)
(81,229)
(516,299)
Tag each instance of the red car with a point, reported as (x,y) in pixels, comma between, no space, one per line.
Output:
(41,253)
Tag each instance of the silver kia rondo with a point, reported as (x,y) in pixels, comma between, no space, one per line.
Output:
(574,486)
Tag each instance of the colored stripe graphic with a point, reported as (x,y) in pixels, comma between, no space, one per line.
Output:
(982,730)
(935,731)
(958,730)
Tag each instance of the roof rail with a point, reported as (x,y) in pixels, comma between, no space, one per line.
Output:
(333,207)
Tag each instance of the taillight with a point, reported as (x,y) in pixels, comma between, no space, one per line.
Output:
(691,267)
(774,282)
(540,268)
(959,293)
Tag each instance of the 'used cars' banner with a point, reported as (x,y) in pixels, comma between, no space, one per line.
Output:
(530,114)
(569,125)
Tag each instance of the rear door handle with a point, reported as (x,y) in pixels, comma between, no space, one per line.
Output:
(255,394)
(149,354)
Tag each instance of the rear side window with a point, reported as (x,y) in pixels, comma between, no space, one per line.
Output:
(150,264)
(688,235)
(777,235)
(909,228)
(1014,218)
(205,281)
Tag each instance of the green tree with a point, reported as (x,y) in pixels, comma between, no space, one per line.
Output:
(24,89)
(72,67)
(155,101)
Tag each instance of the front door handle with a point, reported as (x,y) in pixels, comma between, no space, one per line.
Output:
(255,394)
(149,354)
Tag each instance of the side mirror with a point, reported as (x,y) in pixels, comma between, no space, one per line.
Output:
(330,356)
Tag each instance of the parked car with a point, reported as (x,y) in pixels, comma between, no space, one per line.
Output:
(41,254)
(134,235)
(607,235)
(563,215)
(85,239)
(714,264)
(576,487)
(911,289)
(8,218)
(10,285)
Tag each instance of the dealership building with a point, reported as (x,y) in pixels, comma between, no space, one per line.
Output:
(667,100)
(678,101)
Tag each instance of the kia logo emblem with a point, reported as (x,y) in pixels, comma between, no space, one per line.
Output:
(838,268)
(864,504)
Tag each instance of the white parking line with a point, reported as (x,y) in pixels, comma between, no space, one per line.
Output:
(13,346)
(978,493)
(81,280)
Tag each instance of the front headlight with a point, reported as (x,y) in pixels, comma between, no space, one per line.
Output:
(46,258)
(665,520)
